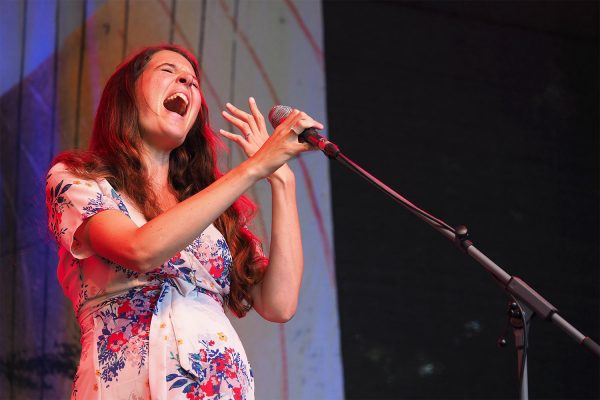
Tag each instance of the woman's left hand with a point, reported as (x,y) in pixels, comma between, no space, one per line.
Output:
(251,126)
(253,133)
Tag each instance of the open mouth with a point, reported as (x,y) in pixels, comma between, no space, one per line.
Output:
(177,103)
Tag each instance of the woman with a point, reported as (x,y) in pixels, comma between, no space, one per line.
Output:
(153,239)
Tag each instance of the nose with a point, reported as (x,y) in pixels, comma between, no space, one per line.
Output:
(186,79)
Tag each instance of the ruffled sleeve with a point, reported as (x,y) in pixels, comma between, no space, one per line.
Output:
(70,201)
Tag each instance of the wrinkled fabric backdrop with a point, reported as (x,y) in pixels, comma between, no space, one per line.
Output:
(56,57)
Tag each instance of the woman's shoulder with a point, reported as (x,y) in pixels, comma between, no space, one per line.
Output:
(63,181)
(92,188)
(71,199)
(80,164)
(60,171)
(57,167)
(61,174)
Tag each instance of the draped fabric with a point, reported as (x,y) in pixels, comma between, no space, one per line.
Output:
(57,55)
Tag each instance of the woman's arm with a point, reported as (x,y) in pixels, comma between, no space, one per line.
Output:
(276,297)
(114,236)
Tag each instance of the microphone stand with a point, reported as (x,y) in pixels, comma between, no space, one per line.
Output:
(526,302)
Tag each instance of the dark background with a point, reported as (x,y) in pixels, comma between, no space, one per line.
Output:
(484,114)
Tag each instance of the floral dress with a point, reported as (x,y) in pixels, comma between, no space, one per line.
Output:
(159,335)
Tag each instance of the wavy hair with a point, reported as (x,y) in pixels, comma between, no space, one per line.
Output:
(114,154)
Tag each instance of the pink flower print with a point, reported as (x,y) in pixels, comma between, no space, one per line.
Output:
(132,354)
(209,388)
(211,343)
(237,393)
(233,368)
(125,309)
(145,319)
(231,373)
(202,355)
(150,288)
(217,267)
(175,258)
(116,341)
(221,364)
(194,395)
(139,330)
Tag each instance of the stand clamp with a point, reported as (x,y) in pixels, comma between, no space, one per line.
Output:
(461,238)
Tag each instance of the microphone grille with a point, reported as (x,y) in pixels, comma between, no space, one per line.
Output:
(278,113)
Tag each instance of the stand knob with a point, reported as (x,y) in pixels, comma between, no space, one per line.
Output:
(461,238)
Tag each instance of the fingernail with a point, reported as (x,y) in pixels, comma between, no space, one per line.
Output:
(228,105)
(252,99)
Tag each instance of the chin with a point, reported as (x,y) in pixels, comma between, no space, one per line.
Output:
(176,142)
(175,135)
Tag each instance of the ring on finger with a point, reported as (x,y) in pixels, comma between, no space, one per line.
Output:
(296,130)
(247,135)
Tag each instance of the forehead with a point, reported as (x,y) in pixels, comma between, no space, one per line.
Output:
(171,57)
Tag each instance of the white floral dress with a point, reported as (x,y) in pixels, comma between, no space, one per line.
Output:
(159,335)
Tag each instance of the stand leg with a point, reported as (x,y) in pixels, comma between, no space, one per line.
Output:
(519,317)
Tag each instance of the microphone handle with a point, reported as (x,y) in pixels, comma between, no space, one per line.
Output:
(312,137)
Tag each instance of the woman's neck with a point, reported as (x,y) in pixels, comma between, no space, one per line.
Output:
(157,167)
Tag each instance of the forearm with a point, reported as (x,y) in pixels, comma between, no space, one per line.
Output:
(280,287)
(147,247)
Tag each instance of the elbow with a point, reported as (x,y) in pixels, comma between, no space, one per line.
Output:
(280,316)
(280,319)
(139,259)
(277,306)
(286,317)
(127,254)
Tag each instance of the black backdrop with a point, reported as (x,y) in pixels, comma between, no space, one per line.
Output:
(484,114)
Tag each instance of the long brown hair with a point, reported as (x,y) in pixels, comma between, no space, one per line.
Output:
(114,154)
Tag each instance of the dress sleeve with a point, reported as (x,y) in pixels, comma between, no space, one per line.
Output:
(70,201)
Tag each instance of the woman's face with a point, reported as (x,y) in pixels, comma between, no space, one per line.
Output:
(168,100)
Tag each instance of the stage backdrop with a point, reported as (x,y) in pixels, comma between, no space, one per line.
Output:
(484,113)
(56,57)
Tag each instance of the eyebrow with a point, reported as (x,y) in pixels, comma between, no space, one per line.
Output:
(167,64)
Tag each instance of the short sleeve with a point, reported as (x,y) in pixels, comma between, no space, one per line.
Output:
(70,201)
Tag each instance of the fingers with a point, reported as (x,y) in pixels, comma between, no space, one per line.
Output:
(243,126)
(292,126)
(254,133)
(241,141)
(242,120)
(255,122)
(298,121)
(233,137)
(258,117)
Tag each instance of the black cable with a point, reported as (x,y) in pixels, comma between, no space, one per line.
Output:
(390,192)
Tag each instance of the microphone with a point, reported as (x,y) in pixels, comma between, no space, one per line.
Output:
(279,113)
